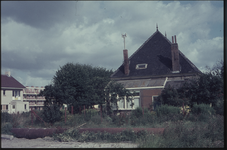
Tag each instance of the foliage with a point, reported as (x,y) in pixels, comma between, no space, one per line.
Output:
(126,135)
(138,112)
(51,113)
(115,92)
(77,85)
(6,128)
(80,85)
(206,88)
(6,117)
(167,110)
(182,134)
(171,96)
(202,109)
(219,107)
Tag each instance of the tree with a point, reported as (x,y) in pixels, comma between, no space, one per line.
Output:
(81,85)
(173,97)
(207,88)
(115,92)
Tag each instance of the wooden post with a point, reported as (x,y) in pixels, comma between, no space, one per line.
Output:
(32,116)
(84,110)
(143,113)
(72,110)
(101,112)
(65,115)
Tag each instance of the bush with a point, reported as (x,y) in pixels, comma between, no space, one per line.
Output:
(6,128)
(51,113)
(165,110)
(219,108)
(96,119)
(6,117)
(138,112)
(202,109)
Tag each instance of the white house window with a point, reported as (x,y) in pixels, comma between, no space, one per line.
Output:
(124,104)
(16,93)
(4,92)
(13,106)
(141,66)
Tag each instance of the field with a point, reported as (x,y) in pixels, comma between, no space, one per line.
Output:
(192,130)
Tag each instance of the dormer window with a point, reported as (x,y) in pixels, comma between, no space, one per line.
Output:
(141,66)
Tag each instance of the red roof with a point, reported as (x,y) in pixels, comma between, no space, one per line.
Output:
(10,82)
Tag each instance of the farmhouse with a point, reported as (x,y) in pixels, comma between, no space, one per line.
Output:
(156,64)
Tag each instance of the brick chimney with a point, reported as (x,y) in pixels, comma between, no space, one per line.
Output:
(8,73)
(126,62)
(175,56)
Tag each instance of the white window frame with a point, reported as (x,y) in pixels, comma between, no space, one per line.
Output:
(137,66)
(128,103)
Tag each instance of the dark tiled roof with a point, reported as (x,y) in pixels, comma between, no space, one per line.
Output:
(145,83)
(156,52)
(174,84)
(10,82)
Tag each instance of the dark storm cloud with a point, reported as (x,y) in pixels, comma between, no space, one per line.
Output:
(38,14)
(39,37)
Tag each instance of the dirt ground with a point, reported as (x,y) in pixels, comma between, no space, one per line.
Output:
(48,142)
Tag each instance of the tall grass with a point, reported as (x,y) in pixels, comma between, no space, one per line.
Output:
(198,129)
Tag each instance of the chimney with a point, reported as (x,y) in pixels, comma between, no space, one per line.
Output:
(175,55)
(8,73)
(126,62)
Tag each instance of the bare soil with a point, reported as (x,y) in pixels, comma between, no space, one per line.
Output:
(49,142)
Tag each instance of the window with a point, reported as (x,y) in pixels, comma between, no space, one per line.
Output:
(123,104)
(24,106)
(16,93)
(6,107)
(4,92)
(141,66)
(13,106)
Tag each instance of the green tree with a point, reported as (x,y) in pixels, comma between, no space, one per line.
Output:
(81,85)
(206,88)
(173,97)
(115,92)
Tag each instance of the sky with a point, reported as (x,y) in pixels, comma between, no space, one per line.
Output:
(39,37)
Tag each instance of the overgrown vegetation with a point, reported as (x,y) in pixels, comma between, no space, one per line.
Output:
(201,128)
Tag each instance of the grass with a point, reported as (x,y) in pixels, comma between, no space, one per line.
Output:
(195,130)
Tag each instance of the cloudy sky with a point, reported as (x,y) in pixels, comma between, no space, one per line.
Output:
(39,37)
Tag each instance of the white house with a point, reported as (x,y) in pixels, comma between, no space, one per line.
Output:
(12,95)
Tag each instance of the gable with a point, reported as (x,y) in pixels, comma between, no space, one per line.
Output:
(156,54)
(10,82)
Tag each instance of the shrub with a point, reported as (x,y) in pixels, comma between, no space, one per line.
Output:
(167,110)
(6,117)
(51,113)
(96,119)
(219,108)
(202,109)
(6,128)
(138,112)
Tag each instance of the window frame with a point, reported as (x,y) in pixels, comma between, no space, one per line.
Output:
(138,66)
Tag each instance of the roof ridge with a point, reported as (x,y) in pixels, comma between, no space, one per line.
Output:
(189,61)
(140,48)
